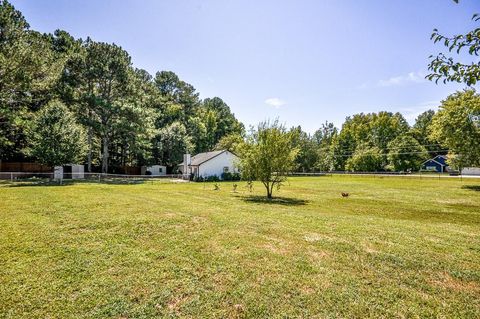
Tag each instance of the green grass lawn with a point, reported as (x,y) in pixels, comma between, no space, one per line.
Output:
(396,247)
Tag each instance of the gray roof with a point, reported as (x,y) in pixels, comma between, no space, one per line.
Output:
(203,157)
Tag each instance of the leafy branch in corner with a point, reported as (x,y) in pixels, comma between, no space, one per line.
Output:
(445,68)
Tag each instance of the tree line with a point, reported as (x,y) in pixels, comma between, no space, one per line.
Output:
(367,142)
(66,100)
(384,141)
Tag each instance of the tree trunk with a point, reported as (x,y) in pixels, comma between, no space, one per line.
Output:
(271,190)
(267,186)
(105,154)
(90,142)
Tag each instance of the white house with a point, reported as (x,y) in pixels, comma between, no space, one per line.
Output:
(209,164)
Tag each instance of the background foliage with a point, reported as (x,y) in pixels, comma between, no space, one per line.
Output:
(133,118)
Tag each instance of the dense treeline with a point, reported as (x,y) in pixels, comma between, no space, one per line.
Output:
(384,141)
(368,142)
(125,115)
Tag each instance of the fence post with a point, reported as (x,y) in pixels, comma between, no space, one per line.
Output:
(11,177)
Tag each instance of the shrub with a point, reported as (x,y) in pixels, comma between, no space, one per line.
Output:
(230,176)
(198,179)
(212,178)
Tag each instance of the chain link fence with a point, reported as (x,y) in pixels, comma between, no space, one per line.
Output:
(420,174)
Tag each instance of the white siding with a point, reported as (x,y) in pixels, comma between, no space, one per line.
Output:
(471,171)
(157,170)
(58,172)
(216,165)
(78,171)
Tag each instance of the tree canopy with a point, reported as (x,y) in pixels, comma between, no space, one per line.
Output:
(129,115)
(55,136)
(453,127)
(406,154)
(365,159)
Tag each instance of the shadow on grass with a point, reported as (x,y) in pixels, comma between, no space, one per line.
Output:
(43,182)
(30,183)
(472,187)
(285,201)
(121,181)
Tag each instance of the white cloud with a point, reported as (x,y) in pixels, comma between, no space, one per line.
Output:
(401,80)
(410,113)
(275,102)
(412,77)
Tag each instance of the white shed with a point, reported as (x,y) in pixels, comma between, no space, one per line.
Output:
(69,171)
(209,164)
(471,171)
(155,170)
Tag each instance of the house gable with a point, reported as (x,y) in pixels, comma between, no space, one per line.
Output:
(212,164)
(219,164)
(442,159)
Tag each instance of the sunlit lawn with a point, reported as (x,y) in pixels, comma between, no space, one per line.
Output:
(395,247)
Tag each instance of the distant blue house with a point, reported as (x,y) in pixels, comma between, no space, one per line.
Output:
(436,164)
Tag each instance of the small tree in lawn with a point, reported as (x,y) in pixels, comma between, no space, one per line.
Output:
(268,155)
(55,136)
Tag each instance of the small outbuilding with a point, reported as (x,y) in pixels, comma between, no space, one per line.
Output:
(154,170)
(436,164)
(209,164)
(474,171)
(69,171)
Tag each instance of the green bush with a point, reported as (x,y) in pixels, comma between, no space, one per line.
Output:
(213,178)
(197,178)
(231,176)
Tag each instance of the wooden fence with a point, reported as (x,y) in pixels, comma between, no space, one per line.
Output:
(24,167)
(39,168)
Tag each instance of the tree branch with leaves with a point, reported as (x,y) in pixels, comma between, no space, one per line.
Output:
(447,69)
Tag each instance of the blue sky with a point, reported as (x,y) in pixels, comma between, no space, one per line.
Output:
(305,62)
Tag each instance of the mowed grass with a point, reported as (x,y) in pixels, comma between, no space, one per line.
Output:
(395,247)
